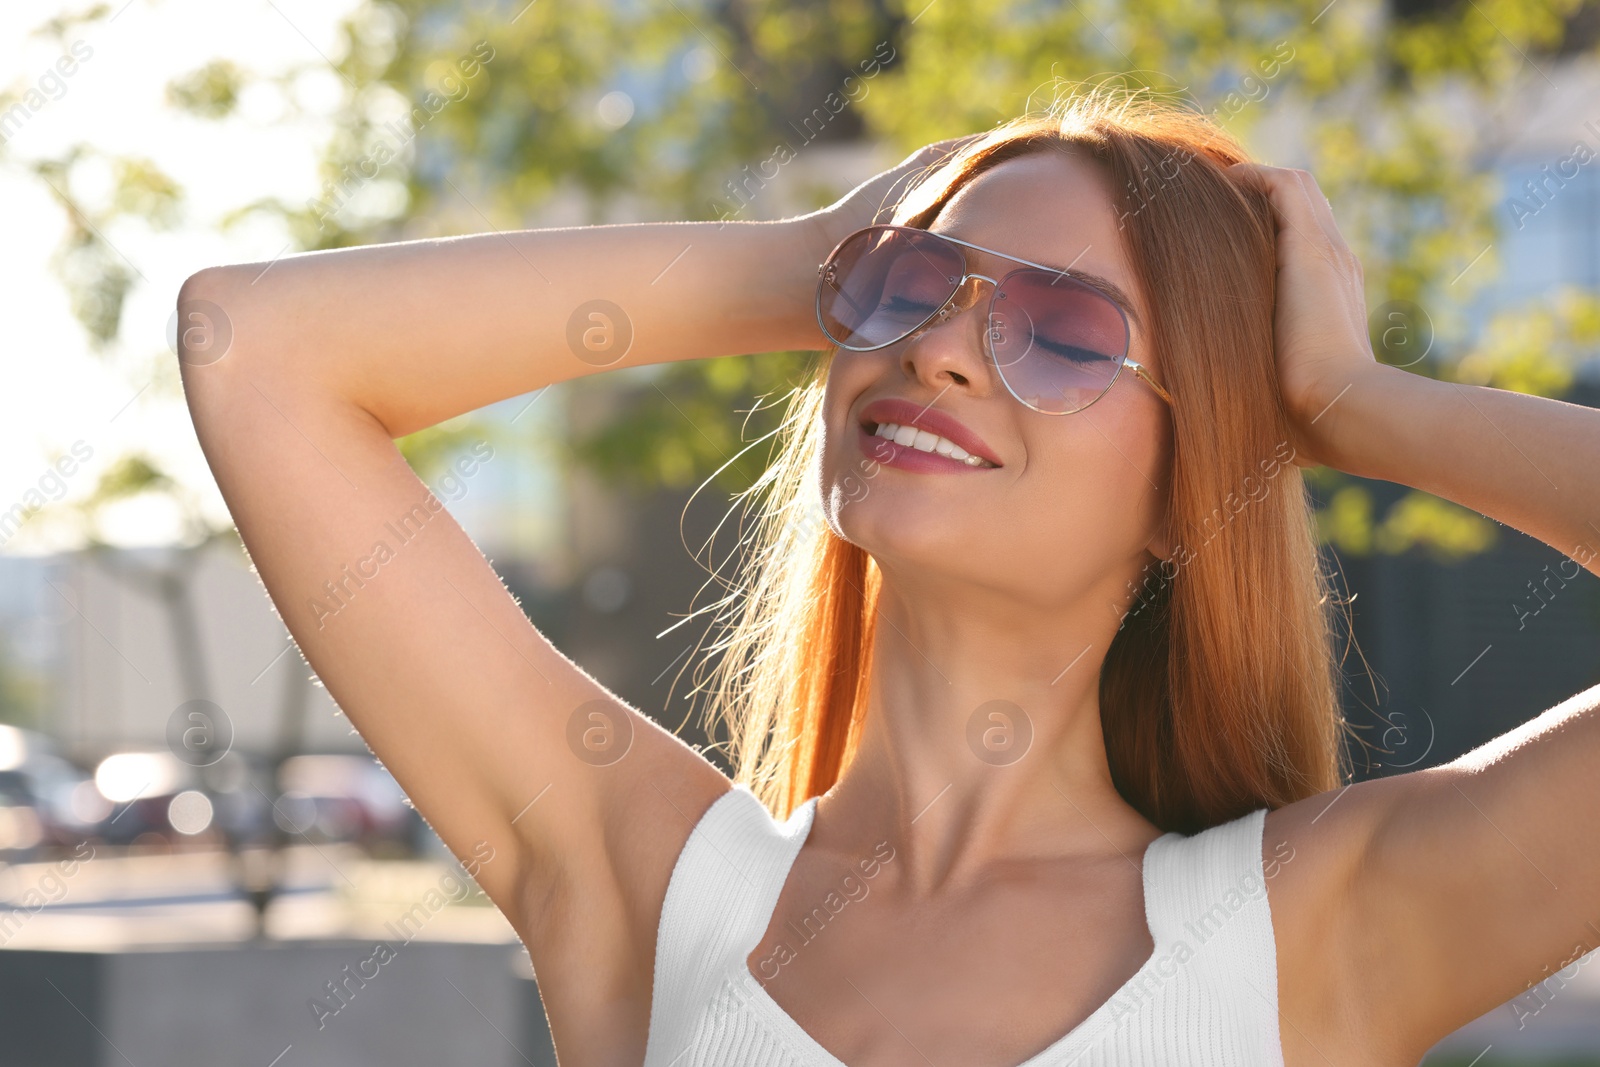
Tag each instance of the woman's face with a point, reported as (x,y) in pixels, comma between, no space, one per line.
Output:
(1076,501)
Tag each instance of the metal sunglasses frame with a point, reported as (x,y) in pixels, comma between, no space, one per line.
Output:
(1126,361)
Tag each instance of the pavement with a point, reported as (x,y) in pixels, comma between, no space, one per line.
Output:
(328,891)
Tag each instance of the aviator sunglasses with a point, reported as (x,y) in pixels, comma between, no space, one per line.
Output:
(1057,341)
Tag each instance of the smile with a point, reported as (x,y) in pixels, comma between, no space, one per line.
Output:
(923,441)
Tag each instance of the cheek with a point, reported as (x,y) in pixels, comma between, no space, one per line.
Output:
(1096,486)
(841,465)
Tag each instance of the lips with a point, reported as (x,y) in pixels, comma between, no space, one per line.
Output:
(906,413)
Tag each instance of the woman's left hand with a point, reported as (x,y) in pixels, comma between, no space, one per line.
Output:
(1320,321)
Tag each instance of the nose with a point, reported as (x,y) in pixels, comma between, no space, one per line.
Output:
(950,349)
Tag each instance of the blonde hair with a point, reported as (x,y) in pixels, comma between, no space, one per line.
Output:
(1219,694)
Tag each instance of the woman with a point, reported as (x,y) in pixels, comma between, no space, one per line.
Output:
(1037,737)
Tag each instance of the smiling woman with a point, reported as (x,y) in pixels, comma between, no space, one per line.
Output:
(1207,246)
(1092,805)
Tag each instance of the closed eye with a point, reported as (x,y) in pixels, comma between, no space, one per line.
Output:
(1070,352)
(899,305)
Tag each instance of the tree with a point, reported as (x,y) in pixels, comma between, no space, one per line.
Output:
(456,120)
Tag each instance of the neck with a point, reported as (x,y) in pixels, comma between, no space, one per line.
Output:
(982,738)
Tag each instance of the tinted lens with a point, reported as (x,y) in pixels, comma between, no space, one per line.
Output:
(882,283)
(1058,342)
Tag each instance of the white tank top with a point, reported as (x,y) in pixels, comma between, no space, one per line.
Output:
(1207,996)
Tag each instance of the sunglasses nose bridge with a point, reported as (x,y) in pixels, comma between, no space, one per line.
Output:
(963,298)
(968,294)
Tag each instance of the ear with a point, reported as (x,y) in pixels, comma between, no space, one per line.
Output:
(1160,544)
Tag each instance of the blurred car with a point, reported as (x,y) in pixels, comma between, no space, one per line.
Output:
(154,798)
(21,828)
(45,800)
(341,798)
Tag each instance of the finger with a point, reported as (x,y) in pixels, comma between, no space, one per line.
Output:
(1287,197)
(941,151)
(920,166)
(957,142)
(1294,205)
(1321,208)
(1299,192)
(1303,229)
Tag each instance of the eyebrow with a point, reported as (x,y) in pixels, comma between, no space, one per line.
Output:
(1110,288)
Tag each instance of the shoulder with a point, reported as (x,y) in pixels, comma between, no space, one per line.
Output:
(649,822)
(1331,990)
(589,914)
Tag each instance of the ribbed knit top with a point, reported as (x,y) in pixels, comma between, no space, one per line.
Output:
(1206,997)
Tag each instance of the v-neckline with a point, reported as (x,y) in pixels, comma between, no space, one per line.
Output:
(812,1052)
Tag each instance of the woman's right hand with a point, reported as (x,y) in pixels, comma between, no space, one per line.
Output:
(874,200)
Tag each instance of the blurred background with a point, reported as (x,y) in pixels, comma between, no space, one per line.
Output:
(198,857)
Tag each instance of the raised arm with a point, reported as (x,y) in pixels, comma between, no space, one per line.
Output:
(1450,890)
(331,355)
(569,806)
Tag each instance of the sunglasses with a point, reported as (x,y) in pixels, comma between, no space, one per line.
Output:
(1057,341)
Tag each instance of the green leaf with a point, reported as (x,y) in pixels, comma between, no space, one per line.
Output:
(211,92)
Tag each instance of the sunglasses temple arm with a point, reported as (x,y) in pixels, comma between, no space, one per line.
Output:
(1150,381)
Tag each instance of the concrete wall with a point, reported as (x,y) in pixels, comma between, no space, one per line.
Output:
(430,1003)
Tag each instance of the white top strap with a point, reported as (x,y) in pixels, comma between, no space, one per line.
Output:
(723,891)
(1209,915)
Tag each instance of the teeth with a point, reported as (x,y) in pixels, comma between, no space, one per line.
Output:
(923,441)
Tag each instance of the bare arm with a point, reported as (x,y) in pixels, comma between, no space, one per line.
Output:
(417,332)
(1462,885)
(332,354)
(509,749)
(1480,878)
(1526,461)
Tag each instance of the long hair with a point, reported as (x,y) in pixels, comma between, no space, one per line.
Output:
(1219,693)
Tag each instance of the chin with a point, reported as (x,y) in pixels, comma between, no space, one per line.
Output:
(906,527)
